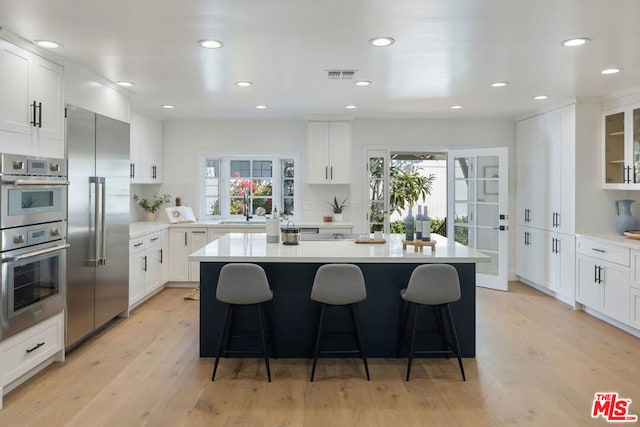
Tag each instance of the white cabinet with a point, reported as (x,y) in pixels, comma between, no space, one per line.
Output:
(146,149)
(603,281)
(621,148)
(183,242)
(30,350)
(634,307)
(328,152)
(148,265)
(560,260)
(32,107)
(546,171)
(530,254)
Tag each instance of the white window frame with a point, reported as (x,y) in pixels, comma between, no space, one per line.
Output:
(225,180)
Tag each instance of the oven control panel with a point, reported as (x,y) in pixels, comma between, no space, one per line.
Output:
(21,237)
(15,164)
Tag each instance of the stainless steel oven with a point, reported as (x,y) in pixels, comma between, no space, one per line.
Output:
(33,275)
(32,190)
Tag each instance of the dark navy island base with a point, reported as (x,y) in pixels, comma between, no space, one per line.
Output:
(293,315)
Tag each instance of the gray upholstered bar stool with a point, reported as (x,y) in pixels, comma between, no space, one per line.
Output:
(243,284)
(435,285)
(334,286)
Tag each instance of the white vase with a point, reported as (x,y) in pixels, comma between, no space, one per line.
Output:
(150,216)
(337,217)
(377,235)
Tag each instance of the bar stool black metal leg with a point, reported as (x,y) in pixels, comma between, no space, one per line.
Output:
(269,330)
(260,310)
(316,350)
(354,316)
(413,338)
(439,312)
(222,341)
(455,340)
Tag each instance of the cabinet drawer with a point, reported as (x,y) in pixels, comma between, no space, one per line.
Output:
(136,245)
(604,251)
(25,351)
(152,239)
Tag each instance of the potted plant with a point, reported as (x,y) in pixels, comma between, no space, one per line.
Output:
(337,208)
(151,207)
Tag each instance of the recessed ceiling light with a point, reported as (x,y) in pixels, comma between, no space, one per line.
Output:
(611,71)
(210,44)
(382,41)
(243,83)
(125,83)
(47,44)
(456,107)
(579,41)
(540,97)
(499,84)
(350,107)
(168,107)
(363,83)
(261,107)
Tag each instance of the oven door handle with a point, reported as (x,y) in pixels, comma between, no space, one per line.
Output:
(18,182)
(35,253)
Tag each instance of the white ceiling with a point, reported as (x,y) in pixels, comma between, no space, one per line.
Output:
(446,52)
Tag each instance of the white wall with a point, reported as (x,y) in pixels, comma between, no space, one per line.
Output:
(186,140)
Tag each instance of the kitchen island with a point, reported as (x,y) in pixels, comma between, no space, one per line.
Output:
(291,270)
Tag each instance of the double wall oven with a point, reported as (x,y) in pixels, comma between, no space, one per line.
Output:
(33,227)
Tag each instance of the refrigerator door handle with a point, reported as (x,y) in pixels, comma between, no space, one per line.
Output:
(103,222)
(95,261)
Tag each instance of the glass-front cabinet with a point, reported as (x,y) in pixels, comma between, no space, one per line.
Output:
(621,144)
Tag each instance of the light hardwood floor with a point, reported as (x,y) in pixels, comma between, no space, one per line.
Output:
(538,363)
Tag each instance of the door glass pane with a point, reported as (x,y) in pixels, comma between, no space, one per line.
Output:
(614,148)
(636,145)
(487,215)
(464,190)
(463,213)
(376,193)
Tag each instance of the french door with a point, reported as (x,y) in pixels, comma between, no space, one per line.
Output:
(478,205)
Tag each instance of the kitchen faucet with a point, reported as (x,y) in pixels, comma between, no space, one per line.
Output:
(246,210)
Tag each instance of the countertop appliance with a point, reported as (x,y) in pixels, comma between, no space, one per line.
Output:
(33,248)
(98,218)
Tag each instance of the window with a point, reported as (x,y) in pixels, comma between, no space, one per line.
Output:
(257,183)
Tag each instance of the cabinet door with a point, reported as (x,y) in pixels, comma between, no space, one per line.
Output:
(634,307)
(152,269)
(15,71)
(340,152)
(538,173)
(566,251)
(552,261)
(522,171)
(614,168)
(135,144)
(317,152)
(163,257)
(565,221)
(48,81)
(178,253)
(616,292)
(199,239)
(136,278)
(589,291)
(153,150)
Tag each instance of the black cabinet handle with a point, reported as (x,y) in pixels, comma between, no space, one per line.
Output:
(137,244)
(331,172)
(185,239)
(598,250)
(39,114)
(145,263)
(34,348)
(326,172)
(599,274)
(161,256)
(33,119)
(595,274)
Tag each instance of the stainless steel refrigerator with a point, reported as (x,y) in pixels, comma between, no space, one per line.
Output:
(98,222)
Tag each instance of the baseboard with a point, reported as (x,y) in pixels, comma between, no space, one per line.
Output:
(564,299)
(628,329)
(188,285)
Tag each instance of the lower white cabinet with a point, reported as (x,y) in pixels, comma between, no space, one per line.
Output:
(604,276)
(148,265)
(634,307)
(560,264)
(183,241)
(25,353)
(530,254)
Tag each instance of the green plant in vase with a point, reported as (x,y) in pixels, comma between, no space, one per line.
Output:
(152,206)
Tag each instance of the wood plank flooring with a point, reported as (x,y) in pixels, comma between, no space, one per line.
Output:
(538,363)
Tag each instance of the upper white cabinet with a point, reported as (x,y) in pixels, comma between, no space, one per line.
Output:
(146,150)
(546,171)
(32,107)
(329,152)
(621,148)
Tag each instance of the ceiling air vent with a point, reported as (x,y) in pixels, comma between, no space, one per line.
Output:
(340,74)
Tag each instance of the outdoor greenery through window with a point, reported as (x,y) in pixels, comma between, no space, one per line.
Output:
(259,185)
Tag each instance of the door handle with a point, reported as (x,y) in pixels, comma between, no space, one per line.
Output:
(501,228)
(145,263)
(33,117)
(161,256)
(39,114)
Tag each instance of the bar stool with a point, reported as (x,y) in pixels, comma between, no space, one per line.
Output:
(243,284)
(334,286)
(435,285)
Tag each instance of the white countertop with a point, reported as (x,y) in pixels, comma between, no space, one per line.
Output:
(243,247)
(613,238)
(137,229)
